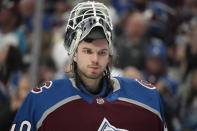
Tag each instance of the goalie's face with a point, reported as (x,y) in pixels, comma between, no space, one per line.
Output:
(92,58)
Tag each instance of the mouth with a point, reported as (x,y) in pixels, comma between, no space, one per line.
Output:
(94,67)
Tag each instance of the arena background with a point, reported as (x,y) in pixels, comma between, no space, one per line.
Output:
(154,40)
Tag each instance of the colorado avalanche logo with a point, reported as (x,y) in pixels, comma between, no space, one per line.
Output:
(46,85)
(106,126)
(146,84)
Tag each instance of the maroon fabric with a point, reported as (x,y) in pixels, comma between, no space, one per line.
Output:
(80,115)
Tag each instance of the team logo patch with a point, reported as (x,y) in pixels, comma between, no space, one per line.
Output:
(106,126)
(146,84)
(46,85)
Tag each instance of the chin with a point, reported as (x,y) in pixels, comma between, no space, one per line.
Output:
(94,76)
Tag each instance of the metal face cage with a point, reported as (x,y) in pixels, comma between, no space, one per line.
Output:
(83,18)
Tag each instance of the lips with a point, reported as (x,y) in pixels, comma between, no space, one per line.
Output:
(94,67)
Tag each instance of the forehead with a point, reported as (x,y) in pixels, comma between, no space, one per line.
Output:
(95,44)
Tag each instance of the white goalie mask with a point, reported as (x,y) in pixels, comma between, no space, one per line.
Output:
(83,18)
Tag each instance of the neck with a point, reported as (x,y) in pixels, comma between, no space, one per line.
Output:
(92,85)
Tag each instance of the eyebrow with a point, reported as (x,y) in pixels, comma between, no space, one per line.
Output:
(90,49)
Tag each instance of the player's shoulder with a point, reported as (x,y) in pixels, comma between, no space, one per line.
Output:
(50,86)
(135,87)
(51,91)
(140,91)
(135,83)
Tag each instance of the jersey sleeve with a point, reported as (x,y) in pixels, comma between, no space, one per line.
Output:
(159,106)
(162,113)
(24,119)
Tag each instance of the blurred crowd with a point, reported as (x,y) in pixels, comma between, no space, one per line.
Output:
(154,40)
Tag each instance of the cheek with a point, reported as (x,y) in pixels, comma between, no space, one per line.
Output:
(105,62)
(80,60)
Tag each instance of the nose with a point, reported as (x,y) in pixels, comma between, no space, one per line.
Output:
(95,58)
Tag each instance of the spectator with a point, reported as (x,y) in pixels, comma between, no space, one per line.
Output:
(156,73)
(191,48)
(10,62)
(27,9)
(133,41)
(186,49)
(131,72)
(10,21)
(156,61)
(123,6)
(47,70)
(189,107)
(14,102)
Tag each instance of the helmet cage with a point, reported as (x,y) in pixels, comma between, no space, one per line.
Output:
(83,18)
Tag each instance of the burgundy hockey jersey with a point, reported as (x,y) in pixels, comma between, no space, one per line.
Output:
(60,106)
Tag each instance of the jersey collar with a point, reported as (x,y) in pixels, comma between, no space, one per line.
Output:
(100,94)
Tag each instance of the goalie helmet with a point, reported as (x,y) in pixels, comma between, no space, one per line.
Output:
(85,18)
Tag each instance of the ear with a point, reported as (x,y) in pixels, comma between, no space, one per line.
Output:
(75,57)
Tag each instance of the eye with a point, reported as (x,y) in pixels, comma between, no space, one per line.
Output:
(103,53)
(87,51)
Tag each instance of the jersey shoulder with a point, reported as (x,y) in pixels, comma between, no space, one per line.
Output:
(133,84)
(52,86)
(139,91)
(51,92)
(40,99)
